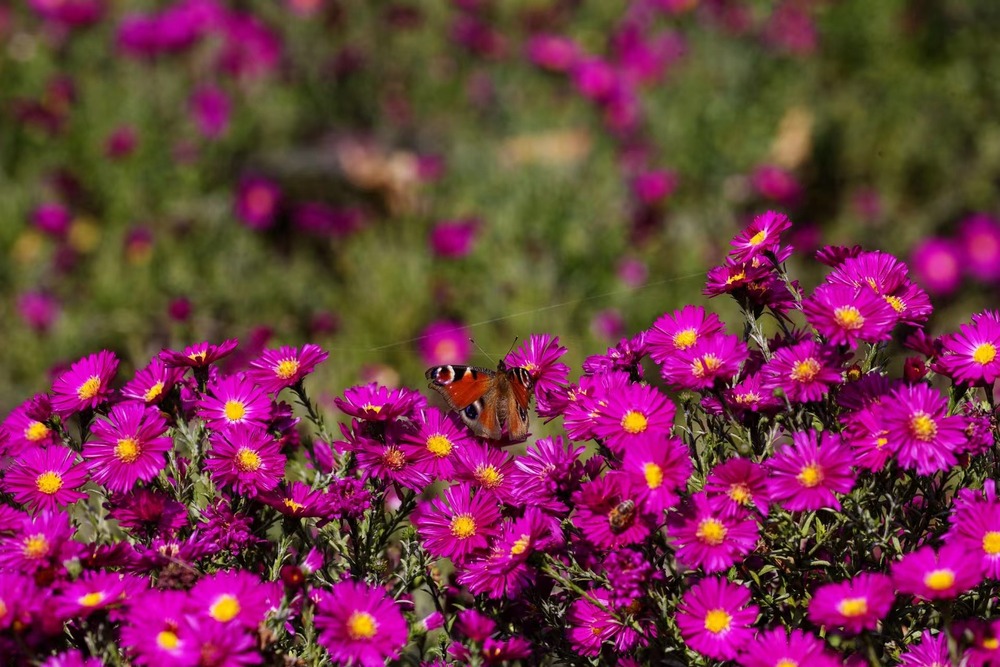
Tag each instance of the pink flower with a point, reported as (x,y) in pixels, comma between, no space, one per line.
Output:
(454,238)
(444,342)
(233,596)
(804,371)
(807,474)
(360,624)
(659,468)
(919,429)
(762,235)
(458,524)
(847,315)
(128,446)
(210,108)
(937,263)
(936,575)
(246,459)
(284,367)
(979,236)
(854,605)
(46,478)
(972,354)
(257,201)
(85,385)
(715,619)
(705,537)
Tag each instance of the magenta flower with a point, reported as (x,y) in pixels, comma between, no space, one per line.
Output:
(919,430)
(384,460)
(360,624)
(198,356)
(888,277)
(39,542)
(760,236)
(659,468)
(52,218)
(434,444)
(553,52)
(737,485)
(705,537)
(222,645)
(151,383)
(250,49)
(486,467)
(454,238)
(937,263)
(38,310)
(444,342)
(127,447)
(635,413)
(774,183)
(156,630)
(85,385)
(779,648)
(235,595)
(931,650)
(72,658)
(96,590)
(246,459)
(975,527)
(804,371)
(121,142)
(210,108)
(936,575)
(147,512)
(713,359)
(540,354)
(274,370)
(377,403)
(591,626)
(608,512)
(458,524)
(979,239)
(547,474)
(715,619)
(854,605)
(679,331)
(848,315)
(236,400)
(46,478)
(972,354)
(652,187)
(750,396)
(257,201)
(807,474)
(71,13)
(504,572)
(868,438)
(25,426)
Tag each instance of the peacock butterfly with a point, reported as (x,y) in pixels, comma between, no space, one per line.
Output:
(487,400)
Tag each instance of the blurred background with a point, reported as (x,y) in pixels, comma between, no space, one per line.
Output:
(388,178)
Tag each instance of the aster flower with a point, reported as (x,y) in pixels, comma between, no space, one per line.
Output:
(458,524)
(704,537)
(804,371)
(854,605)
(919,429)
(235,400)
(39,542)
(73,658)
(580,405)
(633,414)
(152,383)
(16,590)
(257,201)
(156,630)
(713,359)
(780,648)
(679,331)
(360,624)
(376,403)
(975,527)
(625,357)
(930,651)
(806,474)
(276,369)
(199,355)
(504,572)
(868,438)
(985,648)
(608,513)
(96,590)
(547,474)
(452,239)
(298,499)
(486,467)
(46,478)
(540,355)
(715,619)
(434,442)
(659,468)
(971,355)
(127,447)
(25,425)
(246,459)
(233,596)
(760,236)
(86,384)
(593,624)
(221,645)
(848,315)
(384,460)
(938,575)
(738,484)
(147,512)
(751,396)
(887,276)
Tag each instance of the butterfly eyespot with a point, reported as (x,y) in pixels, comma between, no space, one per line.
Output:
(471,412)
(523,413)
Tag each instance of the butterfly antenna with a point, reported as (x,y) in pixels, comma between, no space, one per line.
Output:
(479,347)
(511,349)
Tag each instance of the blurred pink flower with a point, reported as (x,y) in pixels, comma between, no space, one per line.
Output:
(210,108)
(774,183)
(595,78)
(553,52)
(454,238)
(320,219)
(179,309)
(251,49)
(979,238)
(867,203)
(654,186)
(38,310)
(444,342)
(121,142)
(608,324)
(937,263)
(305,7)
(632,271)
(72,13)
(257,201)
(52,218)
(791,29)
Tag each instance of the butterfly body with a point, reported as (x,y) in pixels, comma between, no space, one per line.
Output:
(486,400)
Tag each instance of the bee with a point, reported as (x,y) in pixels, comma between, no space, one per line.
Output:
(621,516)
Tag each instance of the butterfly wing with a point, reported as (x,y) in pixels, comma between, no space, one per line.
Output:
(516,401)
(473,392)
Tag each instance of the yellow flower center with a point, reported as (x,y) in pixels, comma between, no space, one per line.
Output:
(758,238)
(361,625)
(991,542)
(939,580)
(653,474)
(3,610)
(368,407)
(234,410)
(488,476)
(247,460)
(127,450)
(881,442)
(806,370)
(167,639)
(37,431)
(292,505)
(89,389)
(810,476)
(705,365)
(287,368)
(736,277)
(992,643)
(225,609)
(711,532)
(393,458)
(848,317)
(439,445)
(463,526)
(852,607)
(49,482)
(897,304)
(36,546)
(521,545)
(717,621)
(634,422)
(747,398)
(152,394)
(922,426)
(740,493)
(91,599)
(787,662)
(685,338)
(197,357)
(984,354)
